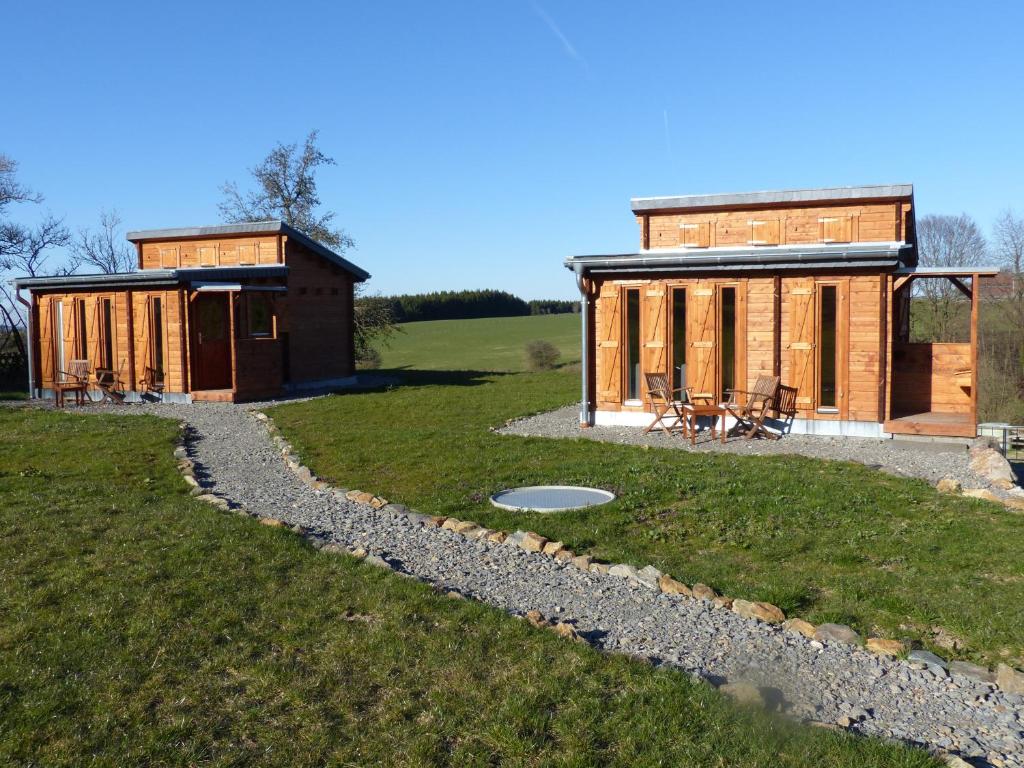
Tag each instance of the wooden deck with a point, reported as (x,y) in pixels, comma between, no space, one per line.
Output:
(935,423)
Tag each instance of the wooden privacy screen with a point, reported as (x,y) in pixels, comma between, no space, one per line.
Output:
(925,379)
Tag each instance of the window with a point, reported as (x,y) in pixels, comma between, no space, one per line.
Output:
(632,344)
(156,335)
(259,317)
(107,330)
(679,338)
(827,347)
(81,338)
(728,343)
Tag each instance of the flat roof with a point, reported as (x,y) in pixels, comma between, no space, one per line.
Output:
(987,271)
(269,227)
(152,277)
(773,197)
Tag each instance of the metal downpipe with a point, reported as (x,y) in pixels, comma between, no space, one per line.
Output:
(584,346)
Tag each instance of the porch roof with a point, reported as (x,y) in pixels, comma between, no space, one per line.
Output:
(887,256)
(151,277)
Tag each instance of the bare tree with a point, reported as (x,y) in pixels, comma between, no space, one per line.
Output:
(945,241)
(1009,246)
(286,189)
(104,249)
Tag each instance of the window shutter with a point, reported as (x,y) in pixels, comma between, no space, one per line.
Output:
(835,229)
(653,326)
(207,255)
(168,256)
(609,332)
(701,365)
(764,232)
(695,235)
(801,341)
(247,253)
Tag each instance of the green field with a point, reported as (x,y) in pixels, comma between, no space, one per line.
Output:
(141,627)
(487,344)
(827,541)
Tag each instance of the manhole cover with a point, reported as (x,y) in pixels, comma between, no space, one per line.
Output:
(550,498)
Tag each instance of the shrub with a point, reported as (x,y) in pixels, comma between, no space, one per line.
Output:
(541,355)
(369,359)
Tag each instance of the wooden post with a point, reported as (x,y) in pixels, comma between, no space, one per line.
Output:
(231,336)
(645,237)
(975,290)
(777,325)
(185,346)
(131,335)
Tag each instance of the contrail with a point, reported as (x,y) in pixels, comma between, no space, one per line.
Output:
(569,48)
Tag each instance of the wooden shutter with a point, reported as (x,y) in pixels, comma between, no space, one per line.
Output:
(267,252)
(169,256)
(609,337)
(68,331)
(701,314)
(247,253)
(207,255)
(654,330)
(801,341)
(695,235)
(49,355)
(835,229)
(764,232)
(142,333)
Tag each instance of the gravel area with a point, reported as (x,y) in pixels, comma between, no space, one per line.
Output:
(929,461)
(824,682)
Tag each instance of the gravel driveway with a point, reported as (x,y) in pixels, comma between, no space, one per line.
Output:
(824,682)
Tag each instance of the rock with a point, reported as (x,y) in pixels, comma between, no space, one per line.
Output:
(536,618)
(533,542)
(190,481)
(304,474)
(943,638)
(552,548)
(358,553)
(563,555)
(928,658)
(758,610)
(465,527)
(180,452)
(648,576)
(600,568)
(380,562)
(398,509)
(670,586)
(333,548)
(418,518)
(271,522)
(455,595)
(885,647)
(498,537)
(1009,679)
(836,633)
(198,491)
(623,571)
(450,523)
(582,562)
(982,493)
(723,602)
(973,671)
(993,466)
(743,693)
(1014,504)
(953,761)
(479,534)
(299,529)
(435,521)
(800,626)
(948,485)
(378,503)
(259,415)
(703,592)
(360,497)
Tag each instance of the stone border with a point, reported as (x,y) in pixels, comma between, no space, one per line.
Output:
(1004,677)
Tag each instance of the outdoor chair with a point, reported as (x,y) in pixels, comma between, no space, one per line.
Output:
(750,408)
(74,379)
(785,409)
(667,403)
(152,382)
(110,385)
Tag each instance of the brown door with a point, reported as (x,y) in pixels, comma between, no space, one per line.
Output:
(211,358)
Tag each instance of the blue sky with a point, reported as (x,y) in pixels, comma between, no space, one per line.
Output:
(479,143)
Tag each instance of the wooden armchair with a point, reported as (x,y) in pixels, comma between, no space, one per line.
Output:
(74,379)
(110,385)
(666,403)
(750,408)
(785,407)
(152,382)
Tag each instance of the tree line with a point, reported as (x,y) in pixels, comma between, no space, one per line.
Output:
(468,304)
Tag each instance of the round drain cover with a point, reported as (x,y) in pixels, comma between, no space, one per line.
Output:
(550,498)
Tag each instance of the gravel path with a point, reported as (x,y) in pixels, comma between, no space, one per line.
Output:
(925,460)
(824,682)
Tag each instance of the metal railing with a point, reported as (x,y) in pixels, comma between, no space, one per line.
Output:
(1008,439)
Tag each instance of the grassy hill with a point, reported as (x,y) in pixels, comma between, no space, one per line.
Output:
(486,344)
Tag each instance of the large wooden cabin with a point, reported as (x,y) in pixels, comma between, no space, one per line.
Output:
(230,312)
(812,285)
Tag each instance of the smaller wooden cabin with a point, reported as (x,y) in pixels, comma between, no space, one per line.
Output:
(229,312)
(810,285)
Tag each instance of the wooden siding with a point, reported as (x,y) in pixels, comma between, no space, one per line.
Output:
(860,337)
(924,379)
(222,252)
(319,319)
(863,222)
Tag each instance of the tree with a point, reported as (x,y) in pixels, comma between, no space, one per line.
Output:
(103,249)
(944,241)
(285,189)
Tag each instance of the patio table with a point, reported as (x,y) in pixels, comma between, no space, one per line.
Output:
(692,412)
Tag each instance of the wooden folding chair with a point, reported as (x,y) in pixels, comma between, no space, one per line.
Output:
(110,386)
(785,408)
(755,405)
(74,379)
(667,403)
(152,382)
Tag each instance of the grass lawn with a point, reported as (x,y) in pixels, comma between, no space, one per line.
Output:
(487,344)
(141,627)
(13,395)
(825,541)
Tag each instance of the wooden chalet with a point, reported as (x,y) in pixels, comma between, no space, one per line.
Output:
(229,312)
(813,286)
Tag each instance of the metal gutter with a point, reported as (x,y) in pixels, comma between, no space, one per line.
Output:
(987,271)
(151,277)
(887,264)
(585,347)
(773,197)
